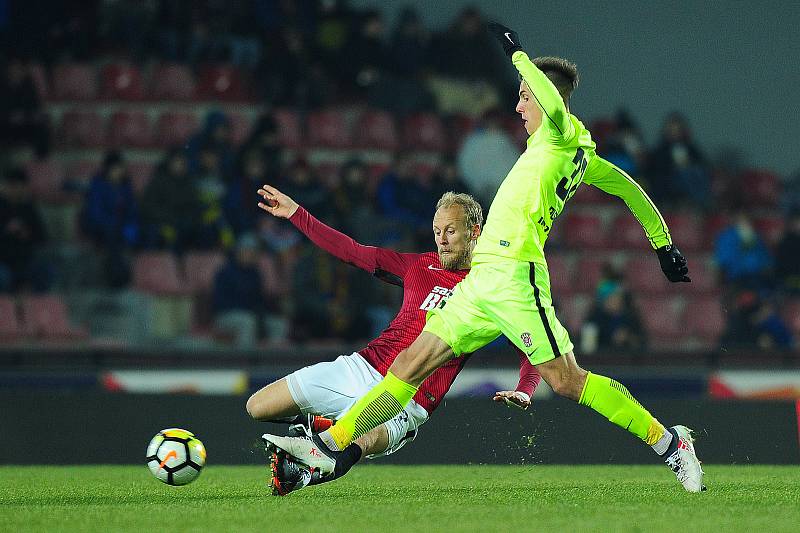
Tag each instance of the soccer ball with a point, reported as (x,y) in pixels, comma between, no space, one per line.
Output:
(176,456)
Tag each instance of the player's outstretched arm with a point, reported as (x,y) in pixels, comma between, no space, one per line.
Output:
(556,116)
(613,180)
(370,258)
(529,379)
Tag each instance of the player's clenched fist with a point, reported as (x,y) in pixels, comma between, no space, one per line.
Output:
(673,264)
(276,203)
(507,37)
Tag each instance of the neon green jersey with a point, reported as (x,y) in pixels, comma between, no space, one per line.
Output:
(560,155)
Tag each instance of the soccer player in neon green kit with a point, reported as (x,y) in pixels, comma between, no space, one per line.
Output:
(507,290)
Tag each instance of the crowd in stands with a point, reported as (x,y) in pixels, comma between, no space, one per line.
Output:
(365,127)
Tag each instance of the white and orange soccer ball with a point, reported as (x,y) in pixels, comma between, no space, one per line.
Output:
(176,456)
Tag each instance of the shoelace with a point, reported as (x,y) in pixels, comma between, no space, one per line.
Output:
(675,463)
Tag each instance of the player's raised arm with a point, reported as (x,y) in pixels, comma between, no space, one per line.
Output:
(613,180)
(555,115)
(370,258)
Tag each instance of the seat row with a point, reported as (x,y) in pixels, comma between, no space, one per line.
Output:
(42,317)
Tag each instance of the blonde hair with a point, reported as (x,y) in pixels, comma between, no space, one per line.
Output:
(472,209)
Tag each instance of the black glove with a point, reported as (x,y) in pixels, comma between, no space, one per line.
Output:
(507,37)
(673,263)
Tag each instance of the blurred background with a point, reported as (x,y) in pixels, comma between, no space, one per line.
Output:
(133,258)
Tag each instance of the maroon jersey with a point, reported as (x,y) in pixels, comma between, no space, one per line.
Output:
(425,283)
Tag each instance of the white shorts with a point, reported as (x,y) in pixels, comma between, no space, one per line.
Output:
(331,388)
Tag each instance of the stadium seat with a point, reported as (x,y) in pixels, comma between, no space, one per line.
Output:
(790,311)
(571,311)
(714,225)
(703,274)
(662,317)
(763,188)
(328,173)
(221,82)
(626,232)
(83,129)
(561,274)
(174,129)
(706,318)
(584,231)
(271,276)
(38,74)
(290,134)
(686,230)
(130,129)
(458,127)
(200,268)
(46,317)
(424,131)
(10,328)
(122,81)
(157,273)
(643,275)
(140,172)
(588,272)
(74,81)
(329,129)
(770,228)
(376,130)
(173,82)
(240,127)
(46,179)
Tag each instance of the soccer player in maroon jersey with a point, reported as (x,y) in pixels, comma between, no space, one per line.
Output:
(317,394)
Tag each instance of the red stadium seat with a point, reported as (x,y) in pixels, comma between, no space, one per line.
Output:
(221,82)
(82,171)
(588,273)
(572,311)
(686,230)
(10,328)
(561,275)
(770,228)
(38,74)
(627,233)
(706,318)
(122,81)
(173,82)
(140,172)
(424,131)
(643,275)
(174,129)
(763,188)
(790,312)
(662,317)
(458,127)
(329,129)
(591,195)
(200,268)
(83,129)
(130,128)
(713,227)
(157,273)
(584,231)
(703,274)
(46,179)
(290,133)
(376,129)
(47,317)
(74,81)
(271,276)
(240,127)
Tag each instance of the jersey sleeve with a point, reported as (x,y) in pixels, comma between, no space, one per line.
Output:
(611,179)
(374,260)
(529,377)
(556,116)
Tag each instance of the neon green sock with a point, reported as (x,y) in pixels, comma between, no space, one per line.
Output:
(382,403)
(612,400)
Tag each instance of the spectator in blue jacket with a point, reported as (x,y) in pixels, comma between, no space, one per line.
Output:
(741,254)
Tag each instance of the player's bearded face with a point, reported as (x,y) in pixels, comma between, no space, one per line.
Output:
(454,241)
(527,108)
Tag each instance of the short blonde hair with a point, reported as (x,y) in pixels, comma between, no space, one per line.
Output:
(472,209)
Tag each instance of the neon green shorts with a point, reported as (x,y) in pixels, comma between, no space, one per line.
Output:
(508,298)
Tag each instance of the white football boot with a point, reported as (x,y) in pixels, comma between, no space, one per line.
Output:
(309,451)
(683,461)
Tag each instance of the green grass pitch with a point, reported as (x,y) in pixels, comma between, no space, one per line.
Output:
(408,498)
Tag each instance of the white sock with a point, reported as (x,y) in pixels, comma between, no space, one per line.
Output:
(663,443)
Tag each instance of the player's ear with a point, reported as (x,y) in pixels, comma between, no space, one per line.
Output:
(476,231)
